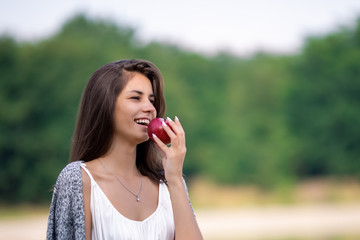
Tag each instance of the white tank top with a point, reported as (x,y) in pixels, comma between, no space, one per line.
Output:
(108,223)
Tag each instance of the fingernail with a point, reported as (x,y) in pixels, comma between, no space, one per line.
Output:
(169,119)
(164,124)
(154,136)
(176,118)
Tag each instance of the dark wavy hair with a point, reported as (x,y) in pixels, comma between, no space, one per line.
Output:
(95,123)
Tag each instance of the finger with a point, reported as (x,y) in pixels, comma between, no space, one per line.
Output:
(162,153)
(168,130)
(175,133)
(175,125)
(179,124)
(160,144)
(179,130)
(182,131)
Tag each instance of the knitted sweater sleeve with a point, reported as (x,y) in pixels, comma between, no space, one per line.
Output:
(66,215)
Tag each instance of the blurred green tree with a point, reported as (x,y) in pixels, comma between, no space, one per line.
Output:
(323,105)
(264,119)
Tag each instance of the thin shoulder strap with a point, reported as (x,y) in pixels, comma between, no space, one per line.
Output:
(83,166)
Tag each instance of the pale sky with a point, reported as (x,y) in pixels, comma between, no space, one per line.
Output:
(238,26)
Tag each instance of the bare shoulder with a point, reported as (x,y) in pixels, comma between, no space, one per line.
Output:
(86,182)
(87,195)
(91,164)
(91,167)
(97,171)
(85,179)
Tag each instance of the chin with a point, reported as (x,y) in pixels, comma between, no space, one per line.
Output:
(143,139)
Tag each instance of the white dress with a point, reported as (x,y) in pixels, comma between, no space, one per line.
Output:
(108,223)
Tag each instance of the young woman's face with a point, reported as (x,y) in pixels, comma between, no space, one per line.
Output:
(134,109)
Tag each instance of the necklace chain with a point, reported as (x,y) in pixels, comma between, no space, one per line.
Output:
(137,196)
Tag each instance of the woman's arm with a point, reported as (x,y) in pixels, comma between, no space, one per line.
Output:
(186,226)
(173,157)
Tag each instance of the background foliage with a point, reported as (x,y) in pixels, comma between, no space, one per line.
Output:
(267,119)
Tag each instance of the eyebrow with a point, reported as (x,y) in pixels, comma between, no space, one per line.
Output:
(140,93)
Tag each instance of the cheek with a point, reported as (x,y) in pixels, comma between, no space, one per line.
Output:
(118,121)
(123,109)
(120,114)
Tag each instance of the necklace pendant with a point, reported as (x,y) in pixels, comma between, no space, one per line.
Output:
(137,199)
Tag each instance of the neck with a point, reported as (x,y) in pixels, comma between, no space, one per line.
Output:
(121,159)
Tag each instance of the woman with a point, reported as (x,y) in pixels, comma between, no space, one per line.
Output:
(125,186)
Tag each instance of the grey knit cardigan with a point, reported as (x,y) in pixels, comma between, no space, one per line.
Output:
(66,215)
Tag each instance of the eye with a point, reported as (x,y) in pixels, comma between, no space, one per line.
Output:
(135,97)
(152,101)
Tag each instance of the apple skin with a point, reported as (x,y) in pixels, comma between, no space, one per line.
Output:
(155,127)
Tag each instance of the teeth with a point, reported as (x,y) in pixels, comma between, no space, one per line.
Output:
(142,121)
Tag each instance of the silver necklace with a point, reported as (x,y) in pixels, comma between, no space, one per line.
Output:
(137,196)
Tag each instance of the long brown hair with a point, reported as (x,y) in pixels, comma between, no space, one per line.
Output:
(95,123)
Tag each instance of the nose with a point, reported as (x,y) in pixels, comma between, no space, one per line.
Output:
(149,107)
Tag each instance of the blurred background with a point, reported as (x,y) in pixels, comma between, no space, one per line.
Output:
(268,93)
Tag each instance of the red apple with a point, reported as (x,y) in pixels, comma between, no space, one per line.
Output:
(155,127)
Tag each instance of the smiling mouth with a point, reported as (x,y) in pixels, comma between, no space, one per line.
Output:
(142,121)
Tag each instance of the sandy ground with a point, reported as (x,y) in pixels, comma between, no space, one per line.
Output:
(307,222)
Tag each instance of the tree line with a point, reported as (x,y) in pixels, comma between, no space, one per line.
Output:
(265,119)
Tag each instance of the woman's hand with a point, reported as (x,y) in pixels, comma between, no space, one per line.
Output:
(173,160)
(173,156)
